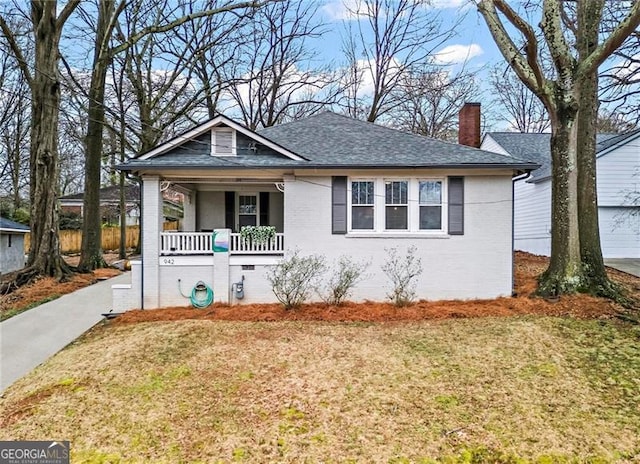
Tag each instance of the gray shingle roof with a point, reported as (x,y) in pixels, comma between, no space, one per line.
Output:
(329,140)
(537,148)
(9,224)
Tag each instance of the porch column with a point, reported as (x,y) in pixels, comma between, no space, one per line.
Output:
(221,248)
(189,219)
(151,228)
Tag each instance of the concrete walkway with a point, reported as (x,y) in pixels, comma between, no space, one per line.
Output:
(628,265)
(31,337)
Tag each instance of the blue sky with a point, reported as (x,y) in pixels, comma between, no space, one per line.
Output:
(472,40)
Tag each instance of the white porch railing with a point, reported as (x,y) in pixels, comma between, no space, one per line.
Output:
(200,243)
(241,246)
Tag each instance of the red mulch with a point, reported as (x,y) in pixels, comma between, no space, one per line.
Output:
(528,267)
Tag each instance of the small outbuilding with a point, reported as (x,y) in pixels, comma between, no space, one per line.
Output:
(11,245)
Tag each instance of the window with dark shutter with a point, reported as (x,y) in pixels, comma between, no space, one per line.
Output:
(264,208)
(229,210)
(456,205)
(339,205)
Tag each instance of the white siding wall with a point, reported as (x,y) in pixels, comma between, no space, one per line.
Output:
(256,287)
(619,232)
(532,222)
(11,257)
(477,264)
(491,145)
(619,174)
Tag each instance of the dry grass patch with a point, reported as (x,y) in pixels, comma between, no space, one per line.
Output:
(543,389)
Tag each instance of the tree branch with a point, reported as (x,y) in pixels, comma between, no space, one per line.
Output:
(507,47)
(66,12)
(552,28)
(178,22)
(15,48)
(617,37)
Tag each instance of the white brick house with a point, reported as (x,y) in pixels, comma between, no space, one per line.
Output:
(618,181)
(330,185)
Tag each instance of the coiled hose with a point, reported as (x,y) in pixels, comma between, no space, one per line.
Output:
(201,295)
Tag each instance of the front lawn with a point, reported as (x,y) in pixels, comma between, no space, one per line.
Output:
(543,389)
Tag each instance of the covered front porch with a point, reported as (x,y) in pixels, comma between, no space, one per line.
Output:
(226,204)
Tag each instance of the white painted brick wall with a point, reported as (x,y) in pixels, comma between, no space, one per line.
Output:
(151,227)
(477,264)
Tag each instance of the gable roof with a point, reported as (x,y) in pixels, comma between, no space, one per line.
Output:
(109,194)
(6,225)
(537,148)
(217,121)
(329,140)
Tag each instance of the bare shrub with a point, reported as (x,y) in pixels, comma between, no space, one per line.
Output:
(293,279)
(345,274)
(402,272)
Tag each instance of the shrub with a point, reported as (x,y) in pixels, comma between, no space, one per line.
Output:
(338,286)
(293,279)
(402,271)
(70,220)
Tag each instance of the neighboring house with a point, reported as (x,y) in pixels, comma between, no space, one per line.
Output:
(11,245)
(330,185)
(618,177)
(110,204)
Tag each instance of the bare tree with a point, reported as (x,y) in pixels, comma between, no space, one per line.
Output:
(620,81)
(43,78)
(389,38)
(429,102)
(523,110)
(14,128)
(106,48)
(572,39)
(275,80)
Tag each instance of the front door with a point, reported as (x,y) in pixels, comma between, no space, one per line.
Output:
(247,210)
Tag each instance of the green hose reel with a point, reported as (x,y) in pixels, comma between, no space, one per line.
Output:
(201,295)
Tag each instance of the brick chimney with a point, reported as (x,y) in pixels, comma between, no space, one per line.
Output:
(469,125)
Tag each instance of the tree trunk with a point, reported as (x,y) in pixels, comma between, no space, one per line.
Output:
(91,256)
(564,274)
(597,281)
(44,253)
(122,250)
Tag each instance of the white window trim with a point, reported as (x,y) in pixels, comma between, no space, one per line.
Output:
(413,209)
(443,202)
(406,205)
(350,203)
(237,207)
(214,146)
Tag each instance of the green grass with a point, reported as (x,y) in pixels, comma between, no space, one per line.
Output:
(511,390)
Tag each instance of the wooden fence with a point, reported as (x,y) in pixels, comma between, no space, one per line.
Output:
(71,240)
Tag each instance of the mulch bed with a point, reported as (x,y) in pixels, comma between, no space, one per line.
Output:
(528,268)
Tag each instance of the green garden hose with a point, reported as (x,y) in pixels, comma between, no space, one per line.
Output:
(201,295)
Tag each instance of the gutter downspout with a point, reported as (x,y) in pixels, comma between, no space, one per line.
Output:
(524,176)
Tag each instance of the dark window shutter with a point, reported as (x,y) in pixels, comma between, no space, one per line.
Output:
(264,208)
(339,205)
(456,205)
(229,210)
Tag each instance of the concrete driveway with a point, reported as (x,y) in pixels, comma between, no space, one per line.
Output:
(628,265)
(32,337)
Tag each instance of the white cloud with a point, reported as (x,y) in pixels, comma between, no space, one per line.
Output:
(345,10)
(452,54)
(444,4)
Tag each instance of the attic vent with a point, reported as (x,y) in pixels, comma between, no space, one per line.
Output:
(223,142)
